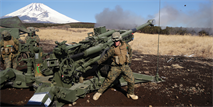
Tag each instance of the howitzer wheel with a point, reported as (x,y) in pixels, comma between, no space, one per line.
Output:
(67,69)
(21,58)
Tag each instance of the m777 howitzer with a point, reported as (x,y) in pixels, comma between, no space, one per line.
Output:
(31,56)
(68,67)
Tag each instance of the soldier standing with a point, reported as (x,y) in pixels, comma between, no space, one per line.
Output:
(9,49)
(32,36)
(121,54)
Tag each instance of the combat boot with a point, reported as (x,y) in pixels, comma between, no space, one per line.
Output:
(96,96)
(134,97)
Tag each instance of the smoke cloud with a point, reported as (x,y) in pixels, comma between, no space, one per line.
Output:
(196,20)
(118,19)
(201,18)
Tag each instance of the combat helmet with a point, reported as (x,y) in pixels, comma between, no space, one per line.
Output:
(6,35)
(116,36)
(31,31)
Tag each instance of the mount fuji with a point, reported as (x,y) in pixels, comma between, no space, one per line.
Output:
(40,13)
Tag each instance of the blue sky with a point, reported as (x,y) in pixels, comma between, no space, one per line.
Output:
(86,10)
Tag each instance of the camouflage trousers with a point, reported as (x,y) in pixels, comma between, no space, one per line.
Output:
(115,71)
(7,62)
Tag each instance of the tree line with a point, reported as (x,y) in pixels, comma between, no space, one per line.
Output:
(176,31)
(148,29)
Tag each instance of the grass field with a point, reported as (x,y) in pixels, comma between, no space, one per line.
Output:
(194,46)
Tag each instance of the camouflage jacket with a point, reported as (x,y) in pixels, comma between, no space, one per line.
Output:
(111,52)
(35,37)
(16,41)
(16,47)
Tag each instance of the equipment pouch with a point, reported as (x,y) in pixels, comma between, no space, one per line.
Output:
(6,50)
(127,58)
(117,60)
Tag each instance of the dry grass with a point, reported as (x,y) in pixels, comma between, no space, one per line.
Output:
(173,45)
(143,43)
(71,35)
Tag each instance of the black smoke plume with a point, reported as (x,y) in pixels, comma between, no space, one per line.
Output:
(118,19)
(194,20)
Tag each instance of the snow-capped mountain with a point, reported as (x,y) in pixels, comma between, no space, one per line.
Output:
(40,13)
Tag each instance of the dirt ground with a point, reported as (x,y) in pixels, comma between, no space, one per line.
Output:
(188,82)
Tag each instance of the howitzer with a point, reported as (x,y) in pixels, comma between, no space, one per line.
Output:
(70,64)
(73,60)
(70,71)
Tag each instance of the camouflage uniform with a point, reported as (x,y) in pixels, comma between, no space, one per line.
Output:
(117,69)
(9,50)
(35,37)
(32,36)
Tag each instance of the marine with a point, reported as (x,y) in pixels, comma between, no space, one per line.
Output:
(121,55)
(32,36)
(9,49)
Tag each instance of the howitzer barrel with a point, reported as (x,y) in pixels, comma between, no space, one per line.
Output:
(86,64)
(89,51)
(100,47)
(106,34)
(93,50)
(149,22)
